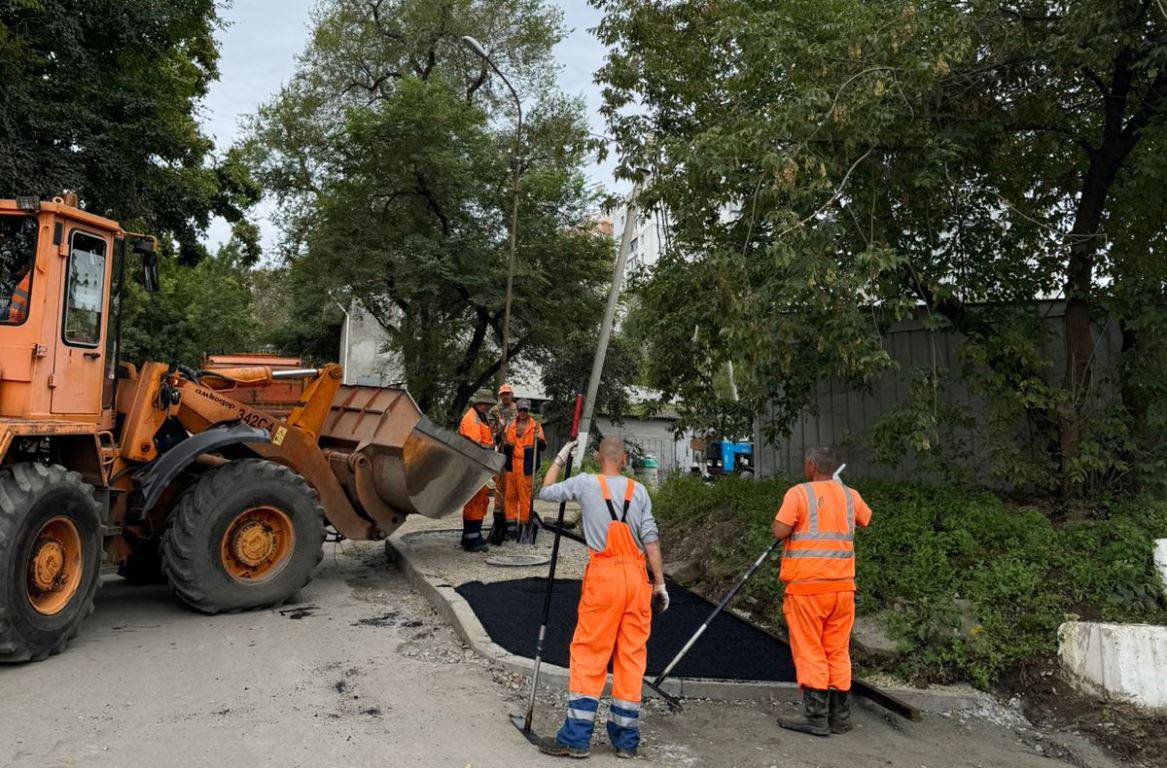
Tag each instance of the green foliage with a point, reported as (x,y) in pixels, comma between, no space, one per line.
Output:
(207,308)
(390,154)
(568,364)
(100,98)
(928,426)
(820,158)
(930,549)
(293,316)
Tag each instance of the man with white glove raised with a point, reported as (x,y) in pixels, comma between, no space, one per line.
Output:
(617,601)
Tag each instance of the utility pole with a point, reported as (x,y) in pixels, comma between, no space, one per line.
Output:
(585,424)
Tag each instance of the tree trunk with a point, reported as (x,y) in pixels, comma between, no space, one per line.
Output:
(1079,334)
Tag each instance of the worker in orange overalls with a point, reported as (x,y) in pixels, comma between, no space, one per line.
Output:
(500,417)
(18,302)
(817,520)
(475,427)
(521,441)
(616,603)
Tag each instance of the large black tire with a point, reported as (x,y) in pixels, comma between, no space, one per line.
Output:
(192,547)
(31,496)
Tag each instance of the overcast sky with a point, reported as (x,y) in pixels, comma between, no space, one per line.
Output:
(259,48)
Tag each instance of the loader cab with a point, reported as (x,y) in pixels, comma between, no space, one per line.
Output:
(59,267)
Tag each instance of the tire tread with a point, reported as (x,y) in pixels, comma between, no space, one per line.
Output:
(20,486)
(181,540)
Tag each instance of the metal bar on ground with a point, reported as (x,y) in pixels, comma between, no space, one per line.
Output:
(720,606)
(861,687)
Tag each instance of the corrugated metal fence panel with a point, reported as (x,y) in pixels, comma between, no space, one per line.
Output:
(843,416)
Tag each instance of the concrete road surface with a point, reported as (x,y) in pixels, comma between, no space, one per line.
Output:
(364,673)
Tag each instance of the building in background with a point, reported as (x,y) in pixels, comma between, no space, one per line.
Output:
(368,359)
(650,237)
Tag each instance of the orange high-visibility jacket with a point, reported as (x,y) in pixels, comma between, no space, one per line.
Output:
(820,551)
(18,304)
(523,448)
(476,428)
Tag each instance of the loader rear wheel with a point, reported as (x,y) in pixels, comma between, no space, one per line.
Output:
(246,535)
(50,559)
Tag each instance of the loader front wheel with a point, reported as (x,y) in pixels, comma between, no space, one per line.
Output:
(248,534)
(50,559)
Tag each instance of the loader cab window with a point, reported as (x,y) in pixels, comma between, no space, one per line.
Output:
(84,290)
(18,235)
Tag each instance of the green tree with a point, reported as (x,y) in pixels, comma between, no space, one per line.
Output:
(200,309)
(100,98)
(821,159)
(293,316)
(389,155)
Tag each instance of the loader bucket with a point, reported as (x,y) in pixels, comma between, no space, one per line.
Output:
(393,461)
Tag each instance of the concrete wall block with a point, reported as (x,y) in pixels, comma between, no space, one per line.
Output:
(1127,662)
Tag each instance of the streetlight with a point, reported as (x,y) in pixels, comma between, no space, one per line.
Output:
(476,48)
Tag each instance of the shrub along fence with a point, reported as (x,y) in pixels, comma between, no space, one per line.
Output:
(970,585)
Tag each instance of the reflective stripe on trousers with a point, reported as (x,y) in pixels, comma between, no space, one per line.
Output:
(613,626)
(577,727)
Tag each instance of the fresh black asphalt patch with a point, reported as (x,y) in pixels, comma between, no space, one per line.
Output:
(731,649)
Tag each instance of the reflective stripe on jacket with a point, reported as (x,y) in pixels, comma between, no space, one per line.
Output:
(18,303)
(820,551)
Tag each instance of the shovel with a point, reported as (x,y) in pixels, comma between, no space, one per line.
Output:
(530,529)
(523,721)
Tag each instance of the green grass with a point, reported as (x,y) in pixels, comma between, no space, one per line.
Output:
(930,547)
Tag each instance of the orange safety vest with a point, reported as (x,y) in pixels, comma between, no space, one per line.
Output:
(476,428)
(18,304)
(522,449)
(820,553)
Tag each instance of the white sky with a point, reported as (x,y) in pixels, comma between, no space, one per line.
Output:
(257,56)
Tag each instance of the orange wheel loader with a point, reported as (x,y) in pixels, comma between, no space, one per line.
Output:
(161,471)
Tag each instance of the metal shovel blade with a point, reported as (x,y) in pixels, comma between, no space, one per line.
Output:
(520,722)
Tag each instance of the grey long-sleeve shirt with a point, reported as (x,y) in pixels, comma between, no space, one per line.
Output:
(585,489)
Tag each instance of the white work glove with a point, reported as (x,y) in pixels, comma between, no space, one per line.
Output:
(565,452)
(660,599)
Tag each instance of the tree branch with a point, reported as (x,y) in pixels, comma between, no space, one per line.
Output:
(431,203)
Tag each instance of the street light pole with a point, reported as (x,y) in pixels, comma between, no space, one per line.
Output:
(476,48)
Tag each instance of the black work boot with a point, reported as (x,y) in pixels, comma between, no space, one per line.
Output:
(548,745)
(475,545)
(814,714)
(498,531)
(840,711)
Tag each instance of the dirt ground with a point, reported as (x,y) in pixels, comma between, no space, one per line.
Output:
(363,672)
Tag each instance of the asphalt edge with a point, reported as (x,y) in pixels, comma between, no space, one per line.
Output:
(454,609)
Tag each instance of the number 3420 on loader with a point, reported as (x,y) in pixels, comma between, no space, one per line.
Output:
(160,471)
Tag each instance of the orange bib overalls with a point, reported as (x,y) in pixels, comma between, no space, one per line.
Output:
(613,624)
(475,428)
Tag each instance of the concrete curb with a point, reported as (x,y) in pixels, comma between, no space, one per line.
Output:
(454,609)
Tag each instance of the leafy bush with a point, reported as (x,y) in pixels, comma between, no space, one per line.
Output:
(972,586)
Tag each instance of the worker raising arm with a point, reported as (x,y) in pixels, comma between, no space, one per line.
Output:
(616,601)
(817,520)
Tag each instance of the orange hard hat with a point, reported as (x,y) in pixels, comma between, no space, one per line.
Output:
(506,389)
